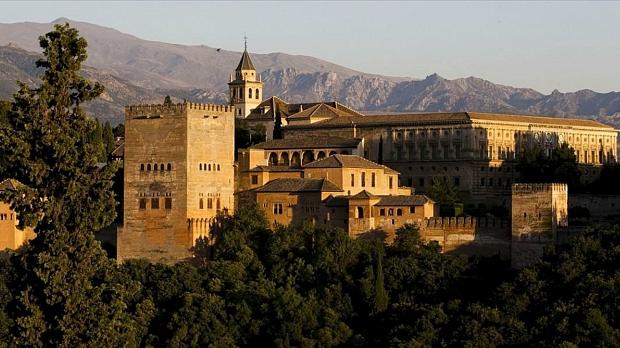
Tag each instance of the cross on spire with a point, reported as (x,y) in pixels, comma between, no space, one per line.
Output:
(245,41)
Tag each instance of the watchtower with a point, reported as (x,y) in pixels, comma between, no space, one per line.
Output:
(538,210)
(178,175)
(246,87)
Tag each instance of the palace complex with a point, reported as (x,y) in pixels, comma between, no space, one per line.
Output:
(325,163)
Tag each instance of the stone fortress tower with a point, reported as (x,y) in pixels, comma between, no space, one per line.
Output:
(246,87)
(178,175)
(538,211)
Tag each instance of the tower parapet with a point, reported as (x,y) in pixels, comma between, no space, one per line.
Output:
(161,110)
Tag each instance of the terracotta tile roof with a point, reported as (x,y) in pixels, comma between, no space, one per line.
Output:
(308,143)
(546,120)
(347,161)
(299,185)
(9,184)
(404,200)
(390,119)
(120,150)
(246,62)
(337,201)
(274,169)
(276,104)
(438,118)
(363,195)
(385,201)
(321,110)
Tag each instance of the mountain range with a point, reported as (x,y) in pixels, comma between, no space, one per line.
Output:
(134,70)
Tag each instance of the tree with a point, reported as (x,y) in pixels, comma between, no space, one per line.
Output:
(5,109)
(67,291)
(277,128)
(381,297)
(45,145)
(119,130)
(167,101)
(561,166)
(108,139)
(443,191)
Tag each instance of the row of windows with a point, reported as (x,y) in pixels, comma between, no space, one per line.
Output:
(201,203)
(237,93)
(209,167)
(372,180)
(359,212)
(155,166)
(489,182)
(5,217)
(363,180)
(155,203)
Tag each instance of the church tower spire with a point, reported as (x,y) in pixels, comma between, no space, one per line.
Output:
(246,89)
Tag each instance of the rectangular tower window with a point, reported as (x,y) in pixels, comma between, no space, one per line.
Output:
(209,203)
(391,182)
(363,179)
(277,208)
(142,203)
(168,203)
(372,179)
(155,203)
(201,204)
(352,180)
(254,179)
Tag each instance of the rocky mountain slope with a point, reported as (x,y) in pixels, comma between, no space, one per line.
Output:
(150,70)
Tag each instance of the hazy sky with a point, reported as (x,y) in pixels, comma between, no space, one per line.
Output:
(542,45)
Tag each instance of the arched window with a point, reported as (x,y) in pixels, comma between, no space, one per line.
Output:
(360,212)
(209,166)
(155,166)
(218,167)
(284,158)
(307,157)
(257,94)
(148,166)
(200,166)
(399,212)
(249,93)
(142,166)
(273,159)
(169,167)
(161,167)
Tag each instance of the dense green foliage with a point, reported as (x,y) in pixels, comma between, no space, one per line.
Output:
(246,135)
(301,286)
(561,166)
(316,287)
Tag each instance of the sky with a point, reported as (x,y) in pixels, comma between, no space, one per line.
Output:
(542,45)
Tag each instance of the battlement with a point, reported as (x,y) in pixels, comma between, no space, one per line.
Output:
(538,187)
(159,110)
(463,222)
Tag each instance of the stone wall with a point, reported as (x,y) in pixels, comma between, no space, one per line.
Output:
(469,236)
(600,206)
(537,212)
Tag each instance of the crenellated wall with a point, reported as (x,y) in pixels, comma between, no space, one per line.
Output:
(468,235)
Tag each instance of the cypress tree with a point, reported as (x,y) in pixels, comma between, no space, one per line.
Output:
(381,298)
(68,293)
(108,139)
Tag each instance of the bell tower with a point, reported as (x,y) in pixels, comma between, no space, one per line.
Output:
(246,87)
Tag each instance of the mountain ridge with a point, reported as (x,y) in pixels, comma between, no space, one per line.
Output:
(151,69)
